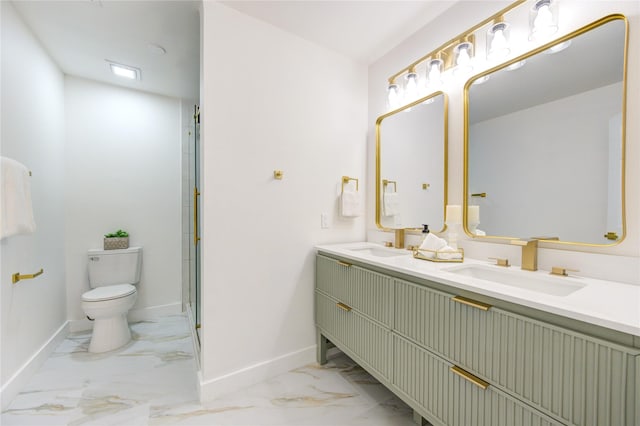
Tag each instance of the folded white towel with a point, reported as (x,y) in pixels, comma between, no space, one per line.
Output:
(16,211)
(431,242)
(350,203)
(390,204)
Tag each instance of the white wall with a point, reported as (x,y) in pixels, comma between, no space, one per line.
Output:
(32,133)
(457,19)
(270,101)
(123,171)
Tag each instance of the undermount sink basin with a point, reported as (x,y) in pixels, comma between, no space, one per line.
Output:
(379,251)
(555,286)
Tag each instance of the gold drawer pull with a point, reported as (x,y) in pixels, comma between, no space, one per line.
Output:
(344,263)
(470,302)
(470,377)
(343,306)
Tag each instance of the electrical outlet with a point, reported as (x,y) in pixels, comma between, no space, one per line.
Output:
(324,221)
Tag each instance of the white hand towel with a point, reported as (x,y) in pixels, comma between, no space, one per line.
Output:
(16,211)
(448,253)
(350,203)
(390,204)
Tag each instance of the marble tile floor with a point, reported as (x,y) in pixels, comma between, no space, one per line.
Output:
(152,381)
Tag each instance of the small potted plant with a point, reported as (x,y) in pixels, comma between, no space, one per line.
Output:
(116,240)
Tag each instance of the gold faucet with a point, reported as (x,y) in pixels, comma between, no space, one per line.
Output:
(399,241)
(529,260)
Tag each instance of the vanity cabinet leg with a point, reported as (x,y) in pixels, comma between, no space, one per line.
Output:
(322,343)
(419,420)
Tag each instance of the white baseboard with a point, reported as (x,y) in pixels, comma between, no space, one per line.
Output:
(194,334)
(135,315)
(21,378)
(257,373)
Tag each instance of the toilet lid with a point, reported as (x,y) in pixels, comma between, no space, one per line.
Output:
(108,292)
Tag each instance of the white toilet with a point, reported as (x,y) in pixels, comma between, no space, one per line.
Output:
(112,276)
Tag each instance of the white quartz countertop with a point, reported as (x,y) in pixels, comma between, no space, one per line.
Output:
(608,304)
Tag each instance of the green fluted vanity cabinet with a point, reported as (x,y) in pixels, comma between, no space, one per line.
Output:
(409,335)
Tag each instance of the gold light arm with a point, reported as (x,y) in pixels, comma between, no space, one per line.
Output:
(17,276)
(480,194)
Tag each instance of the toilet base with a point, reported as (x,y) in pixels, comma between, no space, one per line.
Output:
(109,334)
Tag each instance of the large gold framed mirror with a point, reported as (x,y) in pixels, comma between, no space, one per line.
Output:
(545,141)
(411,165)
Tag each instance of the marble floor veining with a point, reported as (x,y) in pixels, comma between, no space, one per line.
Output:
(153,381)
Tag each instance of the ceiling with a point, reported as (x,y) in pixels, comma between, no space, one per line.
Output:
(81,35)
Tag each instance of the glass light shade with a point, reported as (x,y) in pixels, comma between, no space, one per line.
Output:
(498,39)
(393,96)
(516,65)
(434,72)
(411,86)
(543,19)
(558,47)
(463,54)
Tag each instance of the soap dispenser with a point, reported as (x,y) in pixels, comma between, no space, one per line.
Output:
(425,232)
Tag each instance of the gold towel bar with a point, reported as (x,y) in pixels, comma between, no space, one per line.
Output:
(386,182)
(17,277)
(346,179)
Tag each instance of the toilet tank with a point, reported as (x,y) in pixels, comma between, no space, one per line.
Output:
(109,267)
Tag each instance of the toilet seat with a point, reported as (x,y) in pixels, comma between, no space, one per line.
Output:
(109,292)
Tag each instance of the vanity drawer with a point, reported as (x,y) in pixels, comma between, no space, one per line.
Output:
(573,377)
(348,329)
(449,399)
(367,292)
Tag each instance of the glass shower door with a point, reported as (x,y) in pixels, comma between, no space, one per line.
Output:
(194,246)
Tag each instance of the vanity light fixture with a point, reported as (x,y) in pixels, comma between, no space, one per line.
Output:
(125,71)
(457,55)
(543,19)
(463,57)
(498,37)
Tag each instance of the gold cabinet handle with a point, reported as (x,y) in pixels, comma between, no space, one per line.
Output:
(470,377)
(345,264)
(344,307)
(472,303)
(17,277)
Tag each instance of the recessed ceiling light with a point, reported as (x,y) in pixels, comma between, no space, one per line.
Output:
(124,71)
(156,49)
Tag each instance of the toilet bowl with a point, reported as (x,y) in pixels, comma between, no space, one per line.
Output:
(112,274)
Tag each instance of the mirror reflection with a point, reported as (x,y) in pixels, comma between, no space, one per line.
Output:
(411,165)
(545,142)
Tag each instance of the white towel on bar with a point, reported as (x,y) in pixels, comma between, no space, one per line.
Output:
(350,203)
(390,204)
(16,211)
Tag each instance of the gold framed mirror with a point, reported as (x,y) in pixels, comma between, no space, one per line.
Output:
(411,165)
(544,143)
